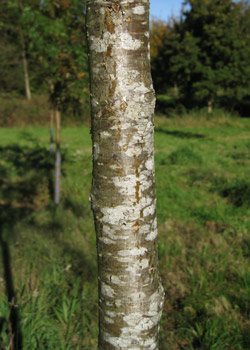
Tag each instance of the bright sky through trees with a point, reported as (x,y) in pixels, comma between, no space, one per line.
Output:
(163,9)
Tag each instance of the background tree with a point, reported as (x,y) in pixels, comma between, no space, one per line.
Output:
(14,73)
(123,191)
(206,54)
(57,41)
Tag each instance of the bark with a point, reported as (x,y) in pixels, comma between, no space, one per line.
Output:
(52,112)
(58,157)
(25,69)
(123,188)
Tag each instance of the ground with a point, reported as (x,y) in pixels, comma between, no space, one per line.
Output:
(203,208)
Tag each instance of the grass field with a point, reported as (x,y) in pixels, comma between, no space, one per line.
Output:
(49,258)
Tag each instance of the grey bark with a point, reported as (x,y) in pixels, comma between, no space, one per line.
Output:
(123,188)
(58,157)
(25,69)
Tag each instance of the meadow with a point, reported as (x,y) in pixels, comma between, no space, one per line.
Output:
(48,283)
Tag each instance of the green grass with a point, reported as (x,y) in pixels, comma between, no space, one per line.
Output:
(203,191)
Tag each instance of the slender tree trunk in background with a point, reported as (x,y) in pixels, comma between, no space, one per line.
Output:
(123,189)
(175,90)
(209,107)
(52,112)
(25,69)
(58,157)
(25,64)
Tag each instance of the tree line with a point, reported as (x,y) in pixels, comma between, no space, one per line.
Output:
(202,58)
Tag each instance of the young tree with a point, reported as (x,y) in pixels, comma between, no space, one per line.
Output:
(123,189)
(24,54)
(13,44)
(57,42)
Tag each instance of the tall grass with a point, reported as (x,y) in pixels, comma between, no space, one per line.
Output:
(202,173)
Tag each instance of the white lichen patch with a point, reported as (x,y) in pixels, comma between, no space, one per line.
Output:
(120,40)
(138,297)
(96,70)
(144,263)
(150,164)
(142,89)
(116,215)
(133,152)
(126,184)
(128,42)
(118,343)
(105,134)
(110,313)
(118,303)
(146,324)
(124,125)
(139,10)
(150,210)
(133,319)
(155,303)
(116,280)
(111,232)
(137,266)
(152,235)
(107,240)
(100,45)
(133,252)
(102,10)
(154,225)
(144,229)
(149,342)
(96,151)
(133,334)
(107,290)
(146,182)
(109,320)
(94,102)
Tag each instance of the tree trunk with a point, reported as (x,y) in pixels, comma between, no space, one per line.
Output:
(25,69)
(123,188)
(52,112)
(209,107)
(58,157)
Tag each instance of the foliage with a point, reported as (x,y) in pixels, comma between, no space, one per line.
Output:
(56,33)
(53,33)
(11,70)
(205,54)
(202,184)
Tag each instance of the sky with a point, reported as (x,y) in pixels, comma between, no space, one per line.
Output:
(163,9)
